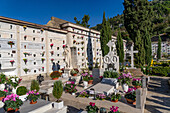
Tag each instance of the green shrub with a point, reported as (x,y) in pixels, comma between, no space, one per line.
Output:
(22,90)
(55,74)
(57,90)
(110,74)
(35,85)
(161,71)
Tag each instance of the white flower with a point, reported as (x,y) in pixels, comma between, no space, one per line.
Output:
(17,78)
(13,79)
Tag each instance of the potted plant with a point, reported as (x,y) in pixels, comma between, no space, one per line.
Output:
(115,97)
(3,94)
(83,94)
(130,96)
(57,93)
(100,96)
(70,87)
(21,91)
(125,79)
(2,81)
(90,79)
(26,70)
(92,108)
(55,75)
(114,109)
(12,102)
(14,81)
(12,62)
(74,72)
(137,83)
(25,60)
(51,45)
(85,79)
(11,43)
(34,85)
(33,96)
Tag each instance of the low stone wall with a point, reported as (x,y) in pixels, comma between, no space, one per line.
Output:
(32,77)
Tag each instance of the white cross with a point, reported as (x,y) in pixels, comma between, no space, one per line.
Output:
(132,56)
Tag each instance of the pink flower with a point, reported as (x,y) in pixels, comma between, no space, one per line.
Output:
(92,104)
(14,99)
(6,90)
(91,75)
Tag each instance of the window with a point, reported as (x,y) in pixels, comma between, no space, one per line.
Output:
(34,55)
(34,71)
(11,55)
(78,49)
(11,35)
(25,37)
(10,26)
(33,39)
(42,47)
(0,55)
(33,31)
(63,41)
(51,40)
(58,48)
(58,54)
(42,39)
(34,63)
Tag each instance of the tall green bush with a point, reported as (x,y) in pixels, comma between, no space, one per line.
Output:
(35,85)
(161,71)
(57,90)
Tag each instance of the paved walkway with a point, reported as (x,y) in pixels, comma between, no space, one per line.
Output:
(158,98)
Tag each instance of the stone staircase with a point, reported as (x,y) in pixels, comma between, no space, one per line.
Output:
(136,72)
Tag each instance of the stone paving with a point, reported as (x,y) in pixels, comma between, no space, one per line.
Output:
(158,98)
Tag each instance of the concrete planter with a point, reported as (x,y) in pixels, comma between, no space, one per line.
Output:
(58,105)
(23,97)
(2,87)
(85,84)
(125,87)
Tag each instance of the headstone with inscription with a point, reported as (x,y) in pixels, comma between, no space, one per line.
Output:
(111,60)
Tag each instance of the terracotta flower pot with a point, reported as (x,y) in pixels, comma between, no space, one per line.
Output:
(90,82)
(1,98)
(114,100)
(32,102)
(55,78)
(131,101)
(74,74)
(11,109)
(137,87)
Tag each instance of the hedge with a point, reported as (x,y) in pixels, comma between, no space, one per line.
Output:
(161,71)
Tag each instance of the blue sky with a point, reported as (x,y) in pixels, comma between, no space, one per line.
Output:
(40,11)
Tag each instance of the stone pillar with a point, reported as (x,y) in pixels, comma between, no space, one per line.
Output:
(138,98)
(47,53)
(69,39)
(18,50)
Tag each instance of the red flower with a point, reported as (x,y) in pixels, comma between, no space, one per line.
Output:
(92,104)
(64,46)
(19,80)
(51,45)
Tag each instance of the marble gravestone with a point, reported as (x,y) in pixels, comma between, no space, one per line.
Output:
(111,60)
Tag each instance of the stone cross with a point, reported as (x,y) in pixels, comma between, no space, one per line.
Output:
(131,52)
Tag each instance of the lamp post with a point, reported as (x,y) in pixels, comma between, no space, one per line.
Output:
(92,89)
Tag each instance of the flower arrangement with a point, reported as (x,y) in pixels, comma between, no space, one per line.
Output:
(55,74)
(24,26)
(73,35)
(70,87)
(85,76)
(91,77)
(82,48)
(52,52)
(131,94)
(3,93)
(137,82)
(78,53)
(52,60)
(42,59)
(74,71)
(74,41)
(12,62)
(92,108)
(82,42)
(25,53)
(82,37)
(100,96)
(11,43)
(12,102)
(25,60)
(51,45)
(64,46)
(61,70)
(83,94)
(42,68)
(2,78)
(125,78)
(114,109)
(42,29)
(33,96)
(26,70)
(14,81)
(43,53)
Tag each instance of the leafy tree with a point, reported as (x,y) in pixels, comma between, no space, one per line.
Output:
(105,35)
(119,47)
(138,18)
(84,21)
(159,48)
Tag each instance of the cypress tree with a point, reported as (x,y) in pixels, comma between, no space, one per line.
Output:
(105,35)
(119,47)
(147,46)
(138,16)
(159,48)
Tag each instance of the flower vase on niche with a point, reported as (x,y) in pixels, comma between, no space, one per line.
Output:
(51,45)
(12,62)
(11,43)
(25,60)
